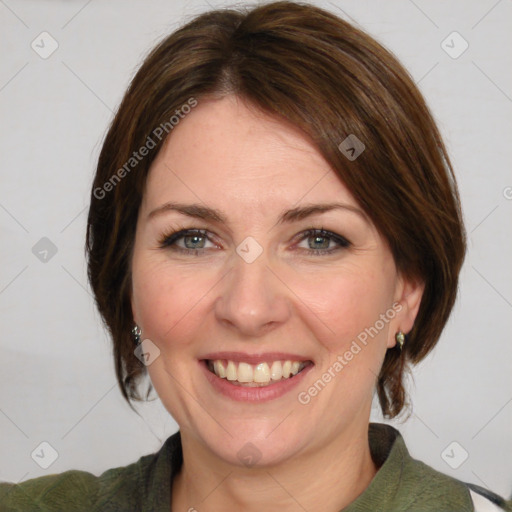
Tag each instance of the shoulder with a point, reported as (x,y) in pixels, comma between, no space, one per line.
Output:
(414,485)
(83,489)
(127,486)
(425,485)
(435,486)
(51,491)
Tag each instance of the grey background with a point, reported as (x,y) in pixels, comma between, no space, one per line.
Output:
(57,381)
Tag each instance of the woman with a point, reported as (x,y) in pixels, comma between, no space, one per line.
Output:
(274,235)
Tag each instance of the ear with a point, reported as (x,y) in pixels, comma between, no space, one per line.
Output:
(408,295)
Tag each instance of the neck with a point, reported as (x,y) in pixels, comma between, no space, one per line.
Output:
(338,473)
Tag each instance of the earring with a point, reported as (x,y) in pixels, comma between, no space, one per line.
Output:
(136,333)
(400,339)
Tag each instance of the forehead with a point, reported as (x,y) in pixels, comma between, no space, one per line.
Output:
(228,152)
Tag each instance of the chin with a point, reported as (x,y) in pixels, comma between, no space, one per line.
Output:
(254,444)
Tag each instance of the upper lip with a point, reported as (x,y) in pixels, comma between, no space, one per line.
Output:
(243,357)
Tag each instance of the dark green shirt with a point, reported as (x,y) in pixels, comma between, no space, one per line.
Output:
(401,484)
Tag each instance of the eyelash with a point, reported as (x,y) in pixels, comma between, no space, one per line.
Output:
(168,240)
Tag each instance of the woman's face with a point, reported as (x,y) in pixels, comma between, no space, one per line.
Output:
(258,287)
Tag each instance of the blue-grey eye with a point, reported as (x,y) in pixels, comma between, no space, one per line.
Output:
(185,239)
(194,241)
(319,242)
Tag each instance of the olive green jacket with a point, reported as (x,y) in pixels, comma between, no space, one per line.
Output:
(401,484)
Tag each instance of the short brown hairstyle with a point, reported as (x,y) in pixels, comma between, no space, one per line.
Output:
(303,64)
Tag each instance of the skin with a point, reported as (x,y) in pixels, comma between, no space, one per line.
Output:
(228,155)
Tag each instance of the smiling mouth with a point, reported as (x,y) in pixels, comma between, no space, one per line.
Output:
(255,375)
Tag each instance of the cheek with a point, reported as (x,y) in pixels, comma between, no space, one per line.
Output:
(167,301)
(345,306)
(344,312)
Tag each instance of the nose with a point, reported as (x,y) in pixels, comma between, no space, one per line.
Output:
(252,300)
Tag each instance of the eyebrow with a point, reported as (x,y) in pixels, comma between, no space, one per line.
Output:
(295,214)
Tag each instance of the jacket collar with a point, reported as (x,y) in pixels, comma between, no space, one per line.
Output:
(401,482)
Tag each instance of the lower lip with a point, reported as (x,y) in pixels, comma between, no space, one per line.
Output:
(254,394)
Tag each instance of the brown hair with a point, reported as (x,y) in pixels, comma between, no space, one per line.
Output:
(306,65)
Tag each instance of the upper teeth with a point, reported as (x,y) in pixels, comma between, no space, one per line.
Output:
(261,372)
